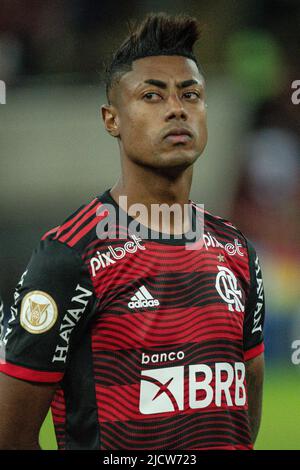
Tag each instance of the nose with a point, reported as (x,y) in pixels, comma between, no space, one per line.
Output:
(175,109)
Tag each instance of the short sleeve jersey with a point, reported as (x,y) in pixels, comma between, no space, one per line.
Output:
(146,339)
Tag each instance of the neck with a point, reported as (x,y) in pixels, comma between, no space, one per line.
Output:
(147,186)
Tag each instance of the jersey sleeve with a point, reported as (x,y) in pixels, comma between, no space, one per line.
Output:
(254,309)
(53,305)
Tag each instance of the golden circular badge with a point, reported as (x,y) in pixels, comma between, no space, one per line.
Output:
(38,312)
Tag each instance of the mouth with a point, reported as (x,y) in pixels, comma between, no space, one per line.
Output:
(178,135)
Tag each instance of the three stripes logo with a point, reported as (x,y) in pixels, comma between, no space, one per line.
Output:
(80,224)
(142,298)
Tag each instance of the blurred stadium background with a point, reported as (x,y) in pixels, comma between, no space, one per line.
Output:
(55,154)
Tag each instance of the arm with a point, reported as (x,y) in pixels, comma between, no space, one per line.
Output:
(254,342)
(24,406)
(55,285)
(254,379)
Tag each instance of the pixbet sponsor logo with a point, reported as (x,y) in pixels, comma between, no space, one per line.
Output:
(110,257)
(232,249)
(162,390)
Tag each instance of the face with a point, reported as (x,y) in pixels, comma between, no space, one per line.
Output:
(158,112)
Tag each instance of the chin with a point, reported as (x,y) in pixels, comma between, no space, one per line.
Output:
(178,158)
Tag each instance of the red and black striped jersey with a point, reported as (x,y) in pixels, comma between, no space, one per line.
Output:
(146,337)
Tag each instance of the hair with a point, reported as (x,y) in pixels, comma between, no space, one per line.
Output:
(158,34)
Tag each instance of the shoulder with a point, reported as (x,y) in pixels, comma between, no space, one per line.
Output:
(216,222)
(219,229)
(60,253)
(79,229)
(222,223)
(59,257)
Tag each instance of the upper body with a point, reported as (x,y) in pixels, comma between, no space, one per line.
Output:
(140,342)
(111,323)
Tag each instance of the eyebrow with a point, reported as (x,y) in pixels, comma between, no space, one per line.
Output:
(163,85)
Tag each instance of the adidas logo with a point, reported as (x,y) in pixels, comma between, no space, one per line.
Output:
(142,298)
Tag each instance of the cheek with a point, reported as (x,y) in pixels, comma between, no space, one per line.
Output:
(201,133)
(137,129)
(202,126)
(203,136)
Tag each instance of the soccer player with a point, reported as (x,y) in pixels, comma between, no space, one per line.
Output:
(146,338)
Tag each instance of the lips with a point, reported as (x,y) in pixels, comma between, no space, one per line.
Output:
(178,135)
(178,131)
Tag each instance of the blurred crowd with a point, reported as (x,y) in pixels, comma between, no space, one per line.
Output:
(267,209)
(75,36)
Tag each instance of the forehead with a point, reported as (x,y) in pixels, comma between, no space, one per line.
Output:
(166,68)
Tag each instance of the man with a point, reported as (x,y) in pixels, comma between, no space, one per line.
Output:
(140,342)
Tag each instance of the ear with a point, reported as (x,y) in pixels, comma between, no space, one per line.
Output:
(110,119)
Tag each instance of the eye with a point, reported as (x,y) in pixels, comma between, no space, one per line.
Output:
(192,95)
(152,96)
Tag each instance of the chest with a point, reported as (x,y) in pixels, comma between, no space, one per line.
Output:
(153,293)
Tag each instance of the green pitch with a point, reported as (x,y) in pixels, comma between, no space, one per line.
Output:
(280,429)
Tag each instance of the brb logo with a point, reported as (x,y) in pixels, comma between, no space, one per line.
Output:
(163,390)
(102,260)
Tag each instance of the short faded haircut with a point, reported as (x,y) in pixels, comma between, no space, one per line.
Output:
(158,34)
